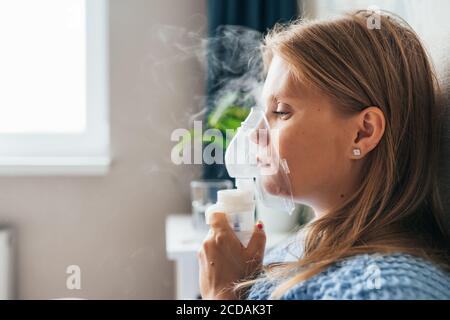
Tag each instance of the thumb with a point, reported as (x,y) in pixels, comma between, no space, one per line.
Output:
(257,243)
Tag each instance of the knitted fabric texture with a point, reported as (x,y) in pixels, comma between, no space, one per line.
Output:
(394,276)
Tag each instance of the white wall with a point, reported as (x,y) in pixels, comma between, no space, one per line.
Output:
(113,226)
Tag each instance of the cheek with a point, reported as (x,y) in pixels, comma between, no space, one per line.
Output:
(289,147)
(312,152)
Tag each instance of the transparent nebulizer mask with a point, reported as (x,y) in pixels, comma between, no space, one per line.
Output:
(252,158)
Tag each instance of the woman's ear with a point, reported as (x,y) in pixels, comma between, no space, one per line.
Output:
(369,129)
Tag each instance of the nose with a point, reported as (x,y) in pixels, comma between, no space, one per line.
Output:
(260,135)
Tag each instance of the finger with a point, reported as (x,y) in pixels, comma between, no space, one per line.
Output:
(222,232)
(201,253)
(219,221)
(257,243)
(201,259)
(206,254)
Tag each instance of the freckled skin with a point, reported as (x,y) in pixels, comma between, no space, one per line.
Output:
(314,140)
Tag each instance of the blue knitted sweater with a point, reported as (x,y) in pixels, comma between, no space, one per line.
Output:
(361,277)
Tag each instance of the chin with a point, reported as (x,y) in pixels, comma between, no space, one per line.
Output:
(274,187)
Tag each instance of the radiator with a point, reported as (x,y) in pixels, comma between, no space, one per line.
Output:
(6,264)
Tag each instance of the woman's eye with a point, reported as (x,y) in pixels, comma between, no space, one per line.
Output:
(281,112)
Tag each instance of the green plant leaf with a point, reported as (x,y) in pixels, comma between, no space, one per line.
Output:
(225,116)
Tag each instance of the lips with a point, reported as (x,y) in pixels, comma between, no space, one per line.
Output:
(263,162)
(266,166)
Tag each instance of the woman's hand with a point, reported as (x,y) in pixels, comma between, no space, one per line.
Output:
(223,260)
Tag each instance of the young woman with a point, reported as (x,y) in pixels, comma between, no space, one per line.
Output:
(358,120)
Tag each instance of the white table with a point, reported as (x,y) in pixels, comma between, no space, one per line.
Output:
(182,244)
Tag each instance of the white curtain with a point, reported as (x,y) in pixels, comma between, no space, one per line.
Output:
(429,18)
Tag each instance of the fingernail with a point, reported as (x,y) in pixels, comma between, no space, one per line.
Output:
(259,225)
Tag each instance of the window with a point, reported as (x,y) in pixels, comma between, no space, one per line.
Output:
(53,87)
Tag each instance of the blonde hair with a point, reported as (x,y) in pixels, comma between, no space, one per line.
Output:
(397,207)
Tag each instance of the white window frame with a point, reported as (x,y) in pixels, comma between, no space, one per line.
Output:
(86,153)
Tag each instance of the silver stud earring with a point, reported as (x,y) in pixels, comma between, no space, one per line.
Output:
(356,152)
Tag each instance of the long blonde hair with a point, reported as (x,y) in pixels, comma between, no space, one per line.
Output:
(397,207)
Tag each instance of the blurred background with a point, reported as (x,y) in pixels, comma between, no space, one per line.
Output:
(91,203)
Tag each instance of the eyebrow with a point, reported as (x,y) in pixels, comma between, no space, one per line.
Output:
(277,97)
(272,97)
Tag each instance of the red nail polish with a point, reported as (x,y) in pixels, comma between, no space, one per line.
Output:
(259,226)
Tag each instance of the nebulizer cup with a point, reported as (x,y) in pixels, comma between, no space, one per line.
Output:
(252,158)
